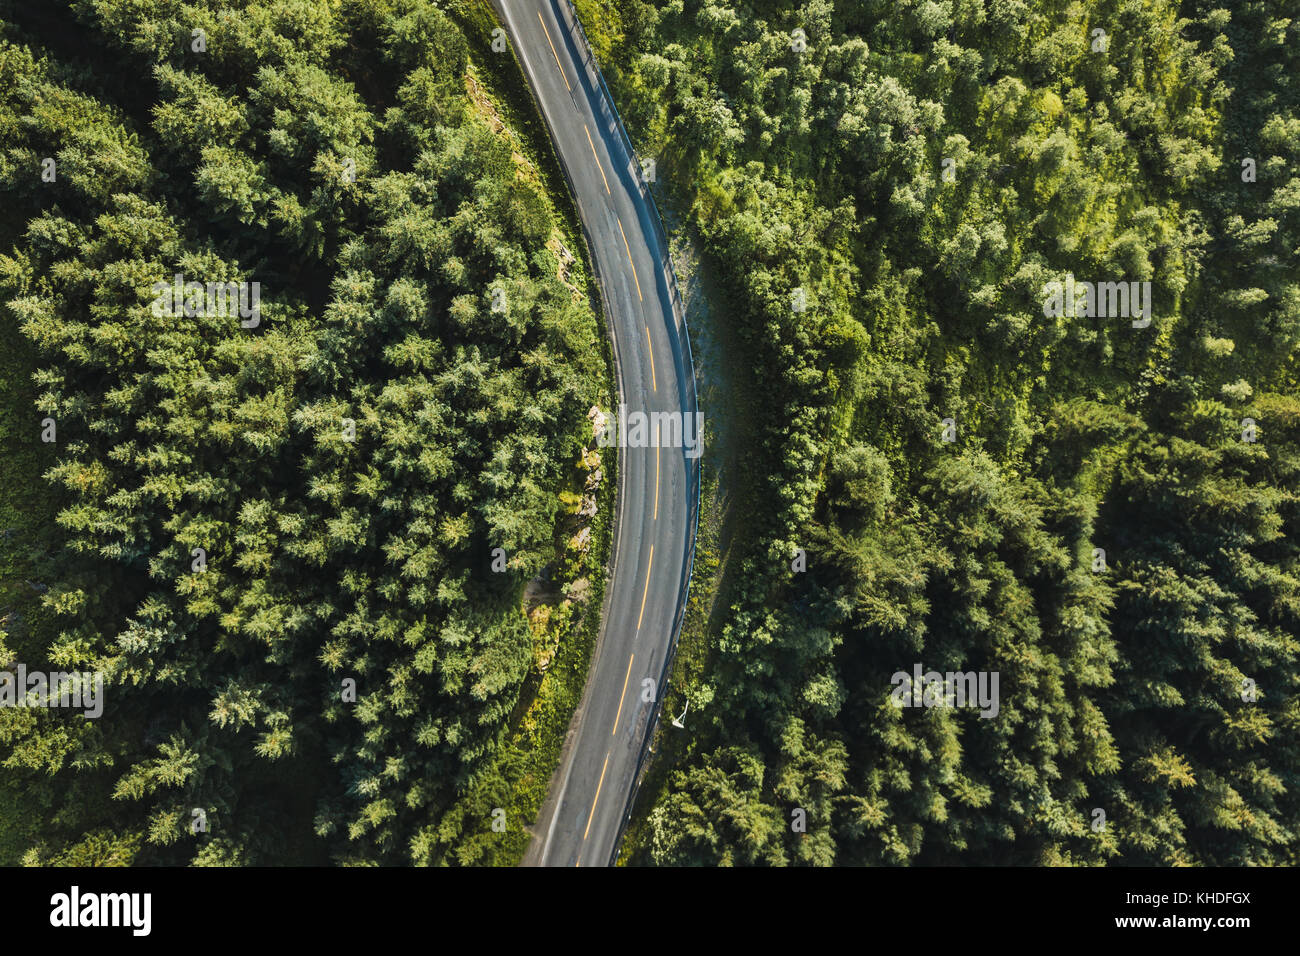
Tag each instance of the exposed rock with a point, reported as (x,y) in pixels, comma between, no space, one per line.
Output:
(564,260)
(581,541)
(598,421)
(579,591)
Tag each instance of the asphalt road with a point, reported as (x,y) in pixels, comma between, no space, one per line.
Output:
(581,821)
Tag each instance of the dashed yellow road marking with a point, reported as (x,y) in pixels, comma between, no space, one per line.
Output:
(593,153)
(656,515)
(654,379)
(592,815)
(553,53)
(647,587)
(620,700)
(640,298)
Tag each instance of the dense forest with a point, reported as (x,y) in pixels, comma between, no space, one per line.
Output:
(334,549)
(325,520)
(1100,508)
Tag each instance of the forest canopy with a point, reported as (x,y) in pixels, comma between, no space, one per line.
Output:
(292,534)
(1099,505)
(299,346)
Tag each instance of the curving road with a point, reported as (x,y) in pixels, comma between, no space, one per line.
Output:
(590,794)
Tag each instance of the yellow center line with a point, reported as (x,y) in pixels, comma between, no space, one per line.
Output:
(647,587)
(553,53)
(657,473)
(654,379)
(640,298)
(592,815)
(593,153)
(620,700)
